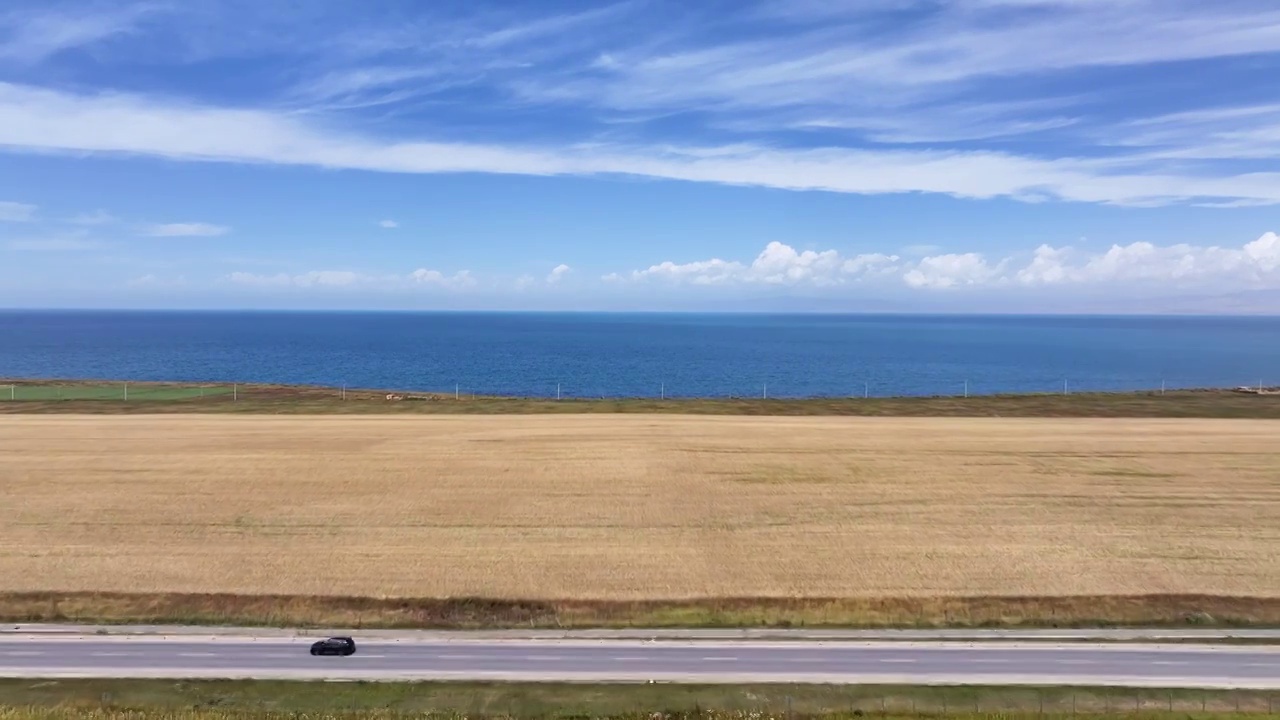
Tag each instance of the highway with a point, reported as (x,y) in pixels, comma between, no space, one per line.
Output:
(995,663)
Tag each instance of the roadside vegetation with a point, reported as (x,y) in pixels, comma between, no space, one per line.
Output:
(268,700)
(140,398)
(484,614)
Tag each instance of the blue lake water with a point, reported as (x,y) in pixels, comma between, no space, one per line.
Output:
(632,355)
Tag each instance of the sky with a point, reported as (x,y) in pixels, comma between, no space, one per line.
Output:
(1110,156)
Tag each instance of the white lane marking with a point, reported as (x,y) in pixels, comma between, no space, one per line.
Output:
(544,658)
(1266,665)
(1170,662)
(631,658)
(720,658)
(22,653)
(196,654)
(1078,662)
(112,654)
(897,660)
(457,657)
(991,661)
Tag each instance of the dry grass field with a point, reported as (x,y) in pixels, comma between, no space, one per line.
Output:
(634,507)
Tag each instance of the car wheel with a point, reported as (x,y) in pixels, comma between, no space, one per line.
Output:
(313,651)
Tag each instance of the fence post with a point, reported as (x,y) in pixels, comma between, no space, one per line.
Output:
(662,391)
(13,392)
(235,392)
(126,392)
(966,388)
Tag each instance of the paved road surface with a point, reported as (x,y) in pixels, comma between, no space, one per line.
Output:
(663,661)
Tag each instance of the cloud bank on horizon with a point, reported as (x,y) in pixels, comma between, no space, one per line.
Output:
(607,154)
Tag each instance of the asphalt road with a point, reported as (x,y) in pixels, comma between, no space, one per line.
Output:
(639,661)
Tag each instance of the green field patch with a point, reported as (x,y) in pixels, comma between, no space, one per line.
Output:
(26,392)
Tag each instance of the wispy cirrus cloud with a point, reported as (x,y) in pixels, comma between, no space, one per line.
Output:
(314,278)
(53,243)
(187,229)
(31,37)
(97,217)
(16,212)
(350,279)
(958,97)
(45,120)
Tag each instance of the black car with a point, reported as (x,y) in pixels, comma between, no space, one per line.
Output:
(334,646)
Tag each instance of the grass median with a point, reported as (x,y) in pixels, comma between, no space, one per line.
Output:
(230,700)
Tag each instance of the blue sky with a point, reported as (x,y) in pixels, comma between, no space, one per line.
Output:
(906,155)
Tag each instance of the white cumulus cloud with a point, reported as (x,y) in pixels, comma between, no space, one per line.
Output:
(777,264)
(1255,264)
(460,279)
(953,270)
(558,273)
(388,224)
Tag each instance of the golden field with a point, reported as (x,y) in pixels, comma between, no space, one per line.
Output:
(636,506)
